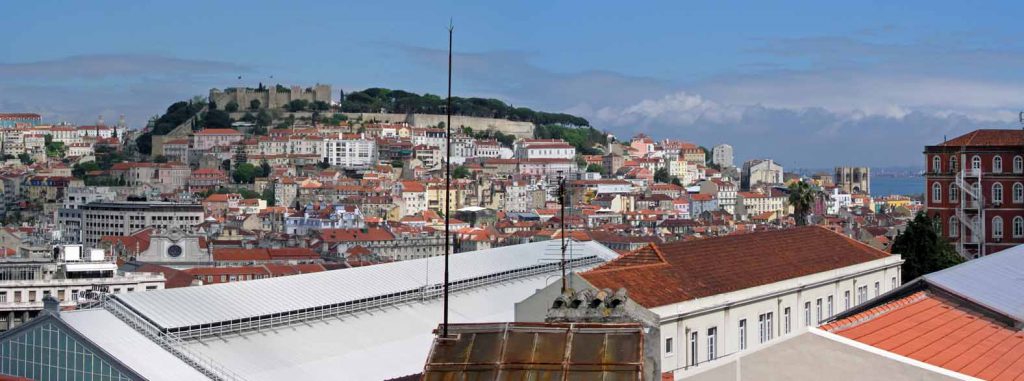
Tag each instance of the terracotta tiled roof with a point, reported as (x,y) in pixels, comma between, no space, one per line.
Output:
(1013,137)
(413,186)
(234,254)
(940,332)
(344,235)
(696,269)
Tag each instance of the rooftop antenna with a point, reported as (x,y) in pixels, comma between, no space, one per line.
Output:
(447,180)
(561,200)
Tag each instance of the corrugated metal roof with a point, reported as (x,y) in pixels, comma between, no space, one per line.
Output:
(368,345)
(193,306)
(129,346)
(541,351)
(994,281)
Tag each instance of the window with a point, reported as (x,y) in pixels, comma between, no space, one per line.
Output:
(894,283)
(878,289)
(954,228)
(862,294)
(846,300)
(693,348)
(668,346)
(997,164)
(997,193)
(976,164)
(817,306)
(830,312)
(712,333)
(743,334)
(787,320)
(997,227)
(936,192)
(807,313)
(1018,193)
(1018,227)
(764,322)
(952,164)
(954,194)
(936,164)
(1018,164)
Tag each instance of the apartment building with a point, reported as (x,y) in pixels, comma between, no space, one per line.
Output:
(975,190)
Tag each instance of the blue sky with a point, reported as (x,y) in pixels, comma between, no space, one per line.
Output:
(811,84)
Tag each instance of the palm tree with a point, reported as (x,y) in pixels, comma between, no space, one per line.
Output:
(801,197)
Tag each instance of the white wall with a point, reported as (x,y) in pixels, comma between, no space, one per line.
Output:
(724,311)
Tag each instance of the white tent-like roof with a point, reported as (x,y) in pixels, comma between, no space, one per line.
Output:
(383,341)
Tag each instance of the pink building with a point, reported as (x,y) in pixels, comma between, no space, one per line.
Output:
(213,137)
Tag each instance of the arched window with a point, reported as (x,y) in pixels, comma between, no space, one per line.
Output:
(954,228)
(1018,164)
(936,192)
(1018,193)
(997,227)
(997,193)
(976,164)
(1018,227)
(936,164)
(952,164)
(997,164)
(954,194)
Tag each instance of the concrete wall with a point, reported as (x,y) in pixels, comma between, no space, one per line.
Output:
(519,129)
(813,356)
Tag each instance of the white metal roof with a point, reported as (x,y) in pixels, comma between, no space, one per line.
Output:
(370,345)
(995,281)
(191,306)
(129,346)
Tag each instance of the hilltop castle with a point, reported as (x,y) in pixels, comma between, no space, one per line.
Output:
(275,96)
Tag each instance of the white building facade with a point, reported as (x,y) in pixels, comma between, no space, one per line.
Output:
(722,155)
(350,153)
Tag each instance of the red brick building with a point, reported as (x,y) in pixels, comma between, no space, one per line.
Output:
(974,188)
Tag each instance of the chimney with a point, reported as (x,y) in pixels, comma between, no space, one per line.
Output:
(51,306)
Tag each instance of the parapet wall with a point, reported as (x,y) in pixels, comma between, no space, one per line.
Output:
(519,129)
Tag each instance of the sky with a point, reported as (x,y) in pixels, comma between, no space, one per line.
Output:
(809,84)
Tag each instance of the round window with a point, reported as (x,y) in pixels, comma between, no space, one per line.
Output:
(174,251)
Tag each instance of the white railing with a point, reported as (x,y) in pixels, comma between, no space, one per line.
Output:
(175,346)
(326,311)
(966,188)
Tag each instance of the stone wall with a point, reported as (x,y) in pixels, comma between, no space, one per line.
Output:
(519,129)
(270,98)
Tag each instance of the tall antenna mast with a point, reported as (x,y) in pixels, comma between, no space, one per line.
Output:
(447,180)
(561,200)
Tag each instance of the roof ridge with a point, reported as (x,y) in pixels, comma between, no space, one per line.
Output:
(873,313)
(614,265)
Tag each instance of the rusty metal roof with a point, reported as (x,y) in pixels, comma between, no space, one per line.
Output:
(537,351)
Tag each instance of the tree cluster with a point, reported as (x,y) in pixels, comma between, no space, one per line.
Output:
(176,114)
(923,249)
(399,101)
(583,138)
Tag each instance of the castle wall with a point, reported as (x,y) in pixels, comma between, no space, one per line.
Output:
(519,129)
(270,98)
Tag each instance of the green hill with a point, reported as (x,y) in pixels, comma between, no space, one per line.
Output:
(403,102)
